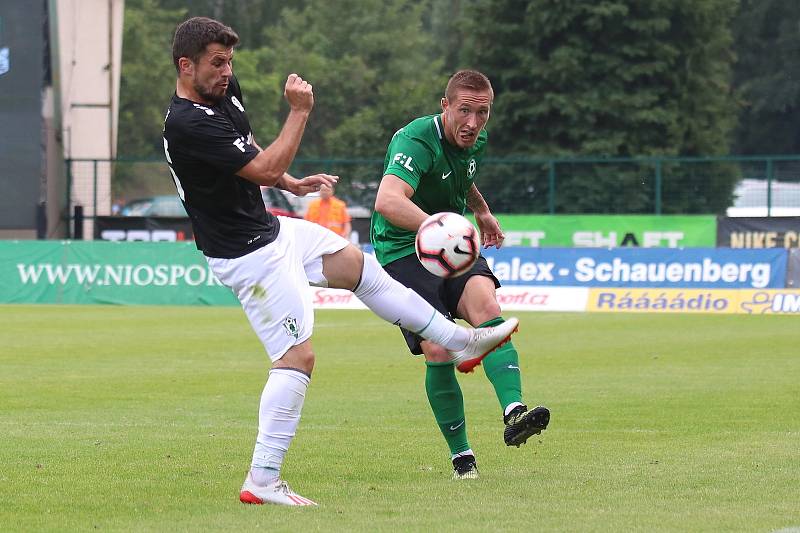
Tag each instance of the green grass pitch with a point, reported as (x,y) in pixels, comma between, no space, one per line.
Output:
(143,419)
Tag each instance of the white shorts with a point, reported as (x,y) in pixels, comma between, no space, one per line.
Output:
(272,282)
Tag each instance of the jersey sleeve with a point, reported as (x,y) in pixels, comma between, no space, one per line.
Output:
(210,137)
(409,159)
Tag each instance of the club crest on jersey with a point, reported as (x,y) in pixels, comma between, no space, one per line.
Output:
(290,325)
(237,103)
(471,169)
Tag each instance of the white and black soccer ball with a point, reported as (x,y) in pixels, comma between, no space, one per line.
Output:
(447,244)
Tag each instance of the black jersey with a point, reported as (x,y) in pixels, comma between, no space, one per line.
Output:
(205,147)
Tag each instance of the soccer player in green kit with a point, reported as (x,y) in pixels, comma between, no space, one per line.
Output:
(431,165)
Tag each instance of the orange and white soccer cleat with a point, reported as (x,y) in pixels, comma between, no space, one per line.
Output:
(481,343)
(277,492)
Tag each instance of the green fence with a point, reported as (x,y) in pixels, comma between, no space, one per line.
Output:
(642,185)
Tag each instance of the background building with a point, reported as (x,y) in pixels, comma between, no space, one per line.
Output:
(59,94)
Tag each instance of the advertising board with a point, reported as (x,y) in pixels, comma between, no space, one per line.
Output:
(113,228)
(714,301)
(640,267)
(175,273)
(762,232)
(609,231)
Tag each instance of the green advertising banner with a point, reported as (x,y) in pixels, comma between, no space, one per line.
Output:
(70,272)
(608,231)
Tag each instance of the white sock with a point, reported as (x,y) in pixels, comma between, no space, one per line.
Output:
(264,476)
(396,303)
(510,407)
(278,416)
(462,454)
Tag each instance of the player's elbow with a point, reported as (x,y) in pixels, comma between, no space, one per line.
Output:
(269,171)
(262,171)
(270,176)
(384,204)
(393,197)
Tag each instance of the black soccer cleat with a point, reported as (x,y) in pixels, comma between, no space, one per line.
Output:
(465,467)
(522,424)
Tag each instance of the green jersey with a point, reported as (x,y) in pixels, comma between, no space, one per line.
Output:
(440,174)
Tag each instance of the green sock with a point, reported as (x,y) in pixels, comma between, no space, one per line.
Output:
(502,369)
(447,403)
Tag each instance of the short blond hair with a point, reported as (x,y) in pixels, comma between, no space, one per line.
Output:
(468,79)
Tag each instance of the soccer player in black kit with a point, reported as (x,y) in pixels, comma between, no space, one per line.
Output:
(268,261)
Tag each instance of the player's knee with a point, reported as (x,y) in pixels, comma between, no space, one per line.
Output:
(492,310)
(300,357)
(478,302)
(482,311)
(343,269)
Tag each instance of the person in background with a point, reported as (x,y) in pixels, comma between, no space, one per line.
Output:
(330,212)
(117,205)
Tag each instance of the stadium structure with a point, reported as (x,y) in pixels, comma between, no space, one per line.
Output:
(60,64)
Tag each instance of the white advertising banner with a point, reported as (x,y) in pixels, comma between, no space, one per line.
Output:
(511,298)
(335,299)
(531,298)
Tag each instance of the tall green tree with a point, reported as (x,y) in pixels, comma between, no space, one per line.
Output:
(372,66)
(147,78)
(373,63)
(148,75)
(445,21)
(250,18)
(609,78)
(572,78)
(767,76)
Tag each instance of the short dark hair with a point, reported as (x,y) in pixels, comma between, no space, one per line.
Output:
(193,35)
(467,79)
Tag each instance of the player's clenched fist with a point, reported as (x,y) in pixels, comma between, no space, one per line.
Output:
(298,93)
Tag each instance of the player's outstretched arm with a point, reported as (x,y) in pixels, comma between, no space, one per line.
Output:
(488,225)
(309,184)
(393,201)
(269,166)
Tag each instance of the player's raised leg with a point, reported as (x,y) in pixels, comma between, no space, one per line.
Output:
(399,305)
(478,304)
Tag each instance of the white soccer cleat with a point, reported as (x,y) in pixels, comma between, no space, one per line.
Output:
(481,343)
(277,492)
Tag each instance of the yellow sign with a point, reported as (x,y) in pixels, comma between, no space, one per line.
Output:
(717,301)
